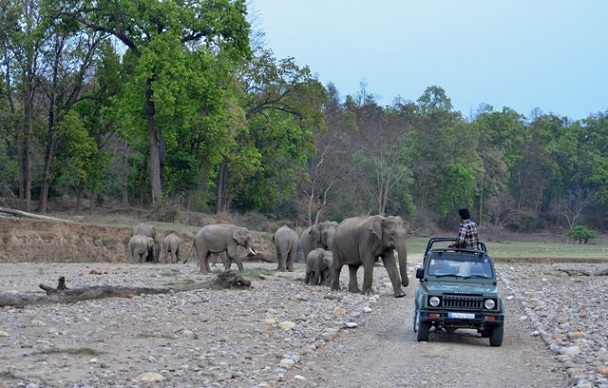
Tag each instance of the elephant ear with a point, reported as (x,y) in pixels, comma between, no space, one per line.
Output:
(376,227)
(376,230)
(240,236)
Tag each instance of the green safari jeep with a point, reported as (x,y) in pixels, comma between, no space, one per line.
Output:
(458,290)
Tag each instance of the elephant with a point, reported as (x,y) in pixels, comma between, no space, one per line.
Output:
(359,240)
(217,238)
(148,230)
(144,228)
(319,235)
(318,267)
(286,241)
(171,245)
(140,246)
(154,252)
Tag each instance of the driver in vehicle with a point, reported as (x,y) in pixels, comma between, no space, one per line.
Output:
(440,267)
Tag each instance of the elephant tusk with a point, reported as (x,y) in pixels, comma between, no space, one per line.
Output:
(251,251)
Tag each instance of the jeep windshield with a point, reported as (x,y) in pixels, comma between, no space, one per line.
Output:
(461,266)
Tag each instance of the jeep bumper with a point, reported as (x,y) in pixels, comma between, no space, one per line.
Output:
(462,319)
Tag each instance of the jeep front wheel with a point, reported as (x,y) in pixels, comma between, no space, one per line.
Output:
(421,328)
(496,335)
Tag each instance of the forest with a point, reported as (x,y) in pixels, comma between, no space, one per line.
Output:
(178,105)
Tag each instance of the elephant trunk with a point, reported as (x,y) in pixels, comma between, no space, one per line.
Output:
(402,257)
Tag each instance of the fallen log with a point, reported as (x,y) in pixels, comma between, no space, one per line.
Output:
(63,294)
(580,272)
(4,212)
(601,272)
(574,272)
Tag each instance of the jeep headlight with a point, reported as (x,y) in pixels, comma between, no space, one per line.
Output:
(489,304)
(434,301)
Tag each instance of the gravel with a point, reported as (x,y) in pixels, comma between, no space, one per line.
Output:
(284,333)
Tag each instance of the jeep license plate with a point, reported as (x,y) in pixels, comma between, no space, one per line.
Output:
(461,315)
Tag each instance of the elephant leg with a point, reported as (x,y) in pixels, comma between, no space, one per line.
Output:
(368,278)
(290,259)
(203,262)
(227,263)
(239,263)
(325,278)
(335,277)
(352,281)
(307,278)
(283,261)
(314,279)
(280,261)
(393,274)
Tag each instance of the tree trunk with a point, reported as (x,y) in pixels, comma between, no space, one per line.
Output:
(46,175)
(29,143)
(221,197)
(153,143)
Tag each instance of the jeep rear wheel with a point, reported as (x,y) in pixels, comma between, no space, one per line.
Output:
(496,335)
(421,328)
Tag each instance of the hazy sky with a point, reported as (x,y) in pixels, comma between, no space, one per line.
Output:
(521,54)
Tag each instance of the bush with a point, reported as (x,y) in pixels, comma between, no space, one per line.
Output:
(581,234)
(163,211)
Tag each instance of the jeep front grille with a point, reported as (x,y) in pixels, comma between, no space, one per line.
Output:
(463,302)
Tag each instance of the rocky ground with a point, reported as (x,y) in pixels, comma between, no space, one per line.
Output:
(284,333)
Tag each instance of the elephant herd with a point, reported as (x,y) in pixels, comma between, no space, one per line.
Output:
(327,247)
(143,246)
(356,242)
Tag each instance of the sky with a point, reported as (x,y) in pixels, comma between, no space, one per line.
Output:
(526,55)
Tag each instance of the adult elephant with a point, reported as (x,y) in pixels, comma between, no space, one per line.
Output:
(144,228)
(217,238)
(319,235)
(171,246)
(358,241)
(285,241)
(139,247)
(148,230)
(318,267)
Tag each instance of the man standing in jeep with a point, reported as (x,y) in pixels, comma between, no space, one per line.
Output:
(468,234)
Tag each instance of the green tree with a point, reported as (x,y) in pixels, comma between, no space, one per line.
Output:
(67,59)
(22,38)
(76,153)
(581,234)
(160,37)
(499,135)
(448,167)
(282,104)
(99,117)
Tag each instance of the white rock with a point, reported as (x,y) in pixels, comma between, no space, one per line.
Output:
(286,325)
(150,377)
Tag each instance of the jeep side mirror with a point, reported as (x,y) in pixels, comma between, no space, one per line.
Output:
(419,273)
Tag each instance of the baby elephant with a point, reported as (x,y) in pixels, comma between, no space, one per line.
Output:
(318,266)
(171,246)
(141,248)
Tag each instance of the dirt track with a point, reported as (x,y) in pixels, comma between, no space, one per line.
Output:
(234,338)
